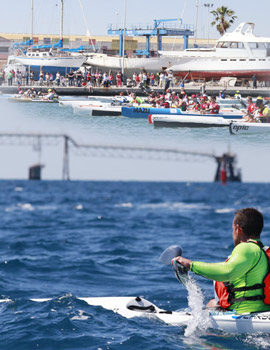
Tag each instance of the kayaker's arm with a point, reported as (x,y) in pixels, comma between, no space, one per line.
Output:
(241,261)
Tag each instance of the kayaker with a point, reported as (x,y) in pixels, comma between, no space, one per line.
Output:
(240,279)
(135,99)
(249,116)
(213,107)
(262,114)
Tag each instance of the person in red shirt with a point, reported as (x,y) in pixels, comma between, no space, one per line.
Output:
(204,104)
(213,107)
(249,116)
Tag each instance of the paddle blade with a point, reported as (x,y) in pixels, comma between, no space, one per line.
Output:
(170,253)
(181,272)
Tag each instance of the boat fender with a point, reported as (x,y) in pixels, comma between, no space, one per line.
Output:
(140,304)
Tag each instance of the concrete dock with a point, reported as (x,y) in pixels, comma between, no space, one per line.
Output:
(112,91)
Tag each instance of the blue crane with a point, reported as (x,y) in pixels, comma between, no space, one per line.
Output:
(159,29)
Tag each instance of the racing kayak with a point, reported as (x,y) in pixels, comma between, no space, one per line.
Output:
(98,110)
(177,121)
(229,322)
(130,307)
(249,128)
(29,99)
(144,111)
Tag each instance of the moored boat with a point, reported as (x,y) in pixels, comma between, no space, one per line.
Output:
(238,54)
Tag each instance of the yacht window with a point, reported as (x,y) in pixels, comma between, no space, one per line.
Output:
(236,45)
(223,59)
(225,45)
(256,46)
(232,59)
(242,59)
(267,49)
(44,54)
(252,59)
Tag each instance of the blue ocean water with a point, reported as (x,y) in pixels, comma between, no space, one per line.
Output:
(89,238)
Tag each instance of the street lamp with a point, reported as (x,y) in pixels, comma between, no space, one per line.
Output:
(124,37)
(208,6)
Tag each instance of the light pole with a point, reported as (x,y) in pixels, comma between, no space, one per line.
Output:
(124,37)
(208,7)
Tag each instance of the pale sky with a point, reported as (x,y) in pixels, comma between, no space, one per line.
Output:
(99,14)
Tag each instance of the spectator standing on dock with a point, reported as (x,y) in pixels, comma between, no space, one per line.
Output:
(71,78)
(19,77)
(51,79)
(93,79)
(79,78)
(63,80)
(157,79)
(134,79)
(152,79)
(41,78)
(32,77)
(57,78)
(170,78)
(1,77)
(110,78)
(254,81)
(140,77)
(161,80)
(26,76)
(137,79)
(97,78)
(167,82)
(105,80)
(119,79)
(88,77)
(10,78)
(47,78)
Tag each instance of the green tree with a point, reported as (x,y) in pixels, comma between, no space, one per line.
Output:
(224,18)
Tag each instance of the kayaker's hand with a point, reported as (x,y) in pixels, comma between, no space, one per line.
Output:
(183,261)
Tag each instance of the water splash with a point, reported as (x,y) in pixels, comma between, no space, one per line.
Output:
(200,319)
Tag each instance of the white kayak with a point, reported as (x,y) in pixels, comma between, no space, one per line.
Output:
(98,110)
(34,99)
(130,307)
(249,128)
(171,121)
(229,322)
(73,103)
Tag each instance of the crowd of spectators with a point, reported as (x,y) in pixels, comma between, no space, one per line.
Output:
(87,78)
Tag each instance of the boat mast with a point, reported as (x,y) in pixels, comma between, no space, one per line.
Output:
(32,20)
(124,34)
(196,23)
(61,22)
(87,28)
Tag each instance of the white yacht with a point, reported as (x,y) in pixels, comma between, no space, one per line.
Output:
(131,64)
(238,54)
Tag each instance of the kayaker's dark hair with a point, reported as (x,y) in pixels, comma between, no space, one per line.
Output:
(250,220)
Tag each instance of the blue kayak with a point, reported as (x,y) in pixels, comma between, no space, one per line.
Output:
(145,112)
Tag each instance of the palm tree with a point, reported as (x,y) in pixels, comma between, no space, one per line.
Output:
(224,18)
